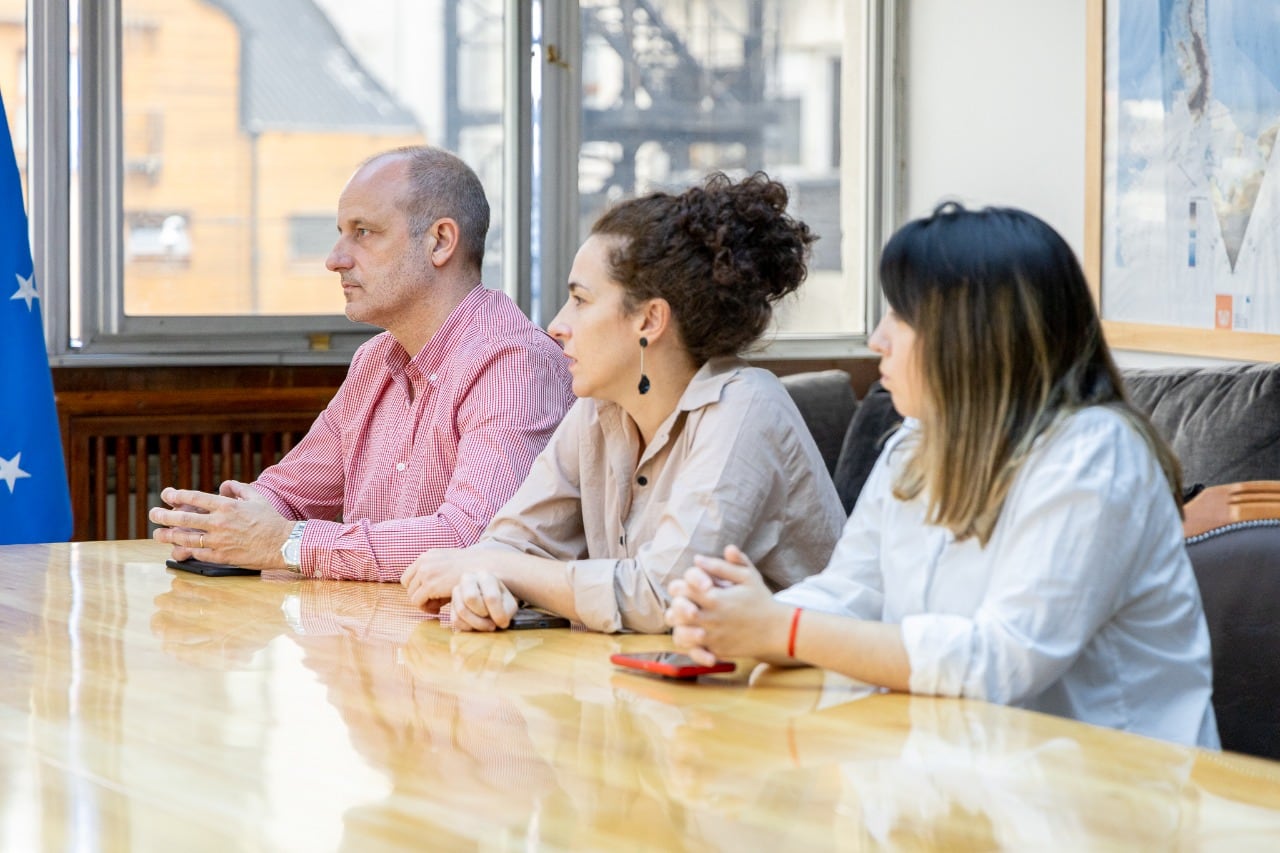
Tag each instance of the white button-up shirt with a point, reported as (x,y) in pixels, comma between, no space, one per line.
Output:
(1082,604)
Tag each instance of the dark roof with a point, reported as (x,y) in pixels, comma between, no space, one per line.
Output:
(296,73)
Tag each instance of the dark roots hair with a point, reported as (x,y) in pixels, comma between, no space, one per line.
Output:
(720,255)
(1008,341)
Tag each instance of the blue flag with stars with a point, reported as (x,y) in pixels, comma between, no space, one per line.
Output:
(35,505)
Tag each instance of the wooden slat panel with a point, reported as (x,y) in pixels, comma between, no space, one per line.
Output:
(206,462)
(122,488)
(186,439)
(141,467)
(184,462)
(226,462)
(79,474)
(164,449)
(99,520)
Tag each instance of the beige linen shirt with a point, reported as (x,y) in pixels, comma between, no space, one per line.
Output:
(733,464)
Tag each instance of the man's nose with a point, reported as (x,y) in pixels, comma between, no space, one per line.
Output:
(338,259)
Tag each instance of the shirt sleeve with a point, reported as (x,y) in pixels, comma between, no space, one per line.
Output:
(731,485)
(544,517)
(504,419)
(1076,525)
(309,481)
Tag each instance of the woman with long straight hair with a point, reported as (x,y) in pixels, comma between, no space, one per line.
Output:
(1019,540)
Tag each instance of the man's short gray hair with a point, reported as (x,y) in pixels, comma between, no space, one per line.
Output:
(441,185)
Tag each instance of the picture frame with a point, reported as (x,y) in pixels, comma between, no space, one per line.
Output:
(1142,321)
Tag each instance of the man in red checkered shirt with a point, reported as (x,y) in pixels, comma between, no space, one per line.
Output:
(439,417)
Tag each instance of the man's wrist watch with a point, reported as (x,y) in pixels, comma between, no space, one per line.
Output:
(291,550)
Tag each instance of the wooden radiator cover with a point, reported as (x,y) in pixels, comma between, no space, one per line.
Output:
(122,447)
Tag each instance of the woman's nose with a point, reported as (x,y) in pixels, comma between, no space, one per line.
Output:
(877,343)
(558,328)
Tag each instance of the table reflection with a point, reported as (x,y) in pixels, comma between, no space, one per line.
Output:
(538,720)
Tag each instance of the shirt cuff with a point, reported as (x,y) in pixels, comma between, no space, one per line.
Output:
(318,540)
(939,647)
(594,598)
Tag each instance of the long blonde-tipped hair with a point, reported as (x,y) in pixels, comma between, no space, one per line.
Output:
(1008,342)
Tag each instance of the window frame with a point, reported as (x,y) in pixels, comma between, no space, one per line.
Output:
(545,147)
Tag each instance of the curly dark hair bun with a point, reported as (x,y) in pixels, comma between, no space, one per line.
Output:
(720,254)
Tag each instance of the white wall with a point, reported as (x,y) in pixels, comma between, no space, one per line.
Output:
(994,107)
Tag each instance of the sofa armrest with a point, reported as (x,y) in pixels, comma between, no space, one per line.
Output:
(1234,547)
(1218,506)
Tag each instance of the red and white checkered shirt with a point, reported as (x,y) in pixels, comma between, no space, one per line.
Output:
(418,453)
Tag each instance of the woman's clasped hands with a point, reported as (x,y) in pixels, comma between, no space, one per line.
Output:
(721,609)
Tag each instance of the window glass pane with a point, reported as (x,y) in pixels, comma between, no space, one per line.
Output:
(675,89)
(13,84)
(243,119)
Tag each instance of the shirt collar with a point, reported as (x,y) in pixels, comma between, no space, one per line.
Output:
(707,385)
(443,342)
(705,388)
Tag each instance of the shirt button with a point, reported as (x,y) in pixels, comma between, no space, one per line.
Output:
(400,466)
(642,480)
(433,379)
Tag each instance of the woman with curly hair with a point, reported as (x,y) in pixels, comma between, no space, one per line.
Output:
(1019,539)
(676,446)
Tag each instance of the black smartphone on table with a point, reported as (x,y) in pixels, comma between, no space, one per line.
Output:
(213,570)
(531,617)
(669,664)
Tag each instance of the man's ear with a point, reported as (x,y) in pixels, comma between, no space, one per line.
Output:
(653,319)
(443,238)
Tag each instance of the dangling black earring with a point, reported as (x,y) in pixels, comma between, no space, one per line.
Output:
(643,387)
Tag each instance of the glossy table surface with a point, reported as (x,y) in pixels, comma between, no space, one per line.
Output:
(147,709)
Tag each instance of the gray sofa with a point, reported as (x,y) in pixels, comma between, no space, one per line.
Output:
(1224,425)
(1223,422)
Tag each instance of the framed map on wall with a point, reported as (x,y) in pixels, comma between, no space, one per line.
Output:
(1184,238)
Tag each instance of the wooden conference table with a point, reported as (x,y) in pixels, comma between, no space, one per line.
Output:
(146,709)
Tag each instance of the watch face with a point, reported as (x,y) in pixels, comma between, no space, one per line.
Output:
(291,551)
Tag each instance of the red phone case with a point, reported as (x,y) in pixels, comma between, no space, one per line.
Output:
(669,664)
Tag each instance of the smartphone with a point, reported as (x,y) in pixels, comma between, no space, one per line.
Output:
(213,570)
(531,617)
(669,664)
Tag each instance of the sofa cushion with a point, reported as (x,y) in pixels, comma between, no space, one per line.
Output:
(826,402)
(873,422)
(1222,422)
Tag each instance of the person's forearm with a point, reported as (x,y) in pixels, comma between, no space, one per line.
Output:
(541,582)
(869,651)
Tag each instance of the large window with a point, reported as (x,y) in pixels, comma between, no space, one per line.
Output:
(188,154)
(673,90)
